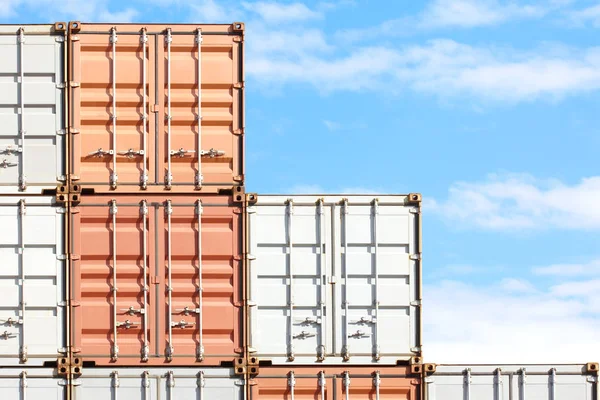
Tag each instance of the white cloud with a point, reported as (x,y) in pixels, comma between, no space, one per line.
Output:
(210,11)
(522,202)
(562,270)
(272,12)
(440,67)
(465,323)
(473,13)
(331,125)
(587,15)
(89,11)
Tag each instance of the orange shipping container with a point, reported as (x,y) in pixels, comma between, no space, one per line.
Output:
(140,121)
(139,293)
(329,383)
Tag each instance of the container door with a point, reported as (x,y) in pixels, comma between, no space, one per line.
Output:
(528,384)
(378,279)
(467,385)
(289,268)
(112,312)
(201,300)
(375,386)
(31,109)
(295,385)
(112,135)
(31,384)
(203,385)
(116,384)
(201,129)
(31,280)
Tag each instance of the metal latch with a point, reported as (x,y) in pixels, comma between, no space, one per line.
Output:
(101,153)
(7,335)
(186,310)
(130,153)
(358,335)
(133,311)
(365,321)
(308,321)
(11,322)
(11,150)
(181,152)
(182,324)
(5,164)
(303,335)
(126,324)
(212,153)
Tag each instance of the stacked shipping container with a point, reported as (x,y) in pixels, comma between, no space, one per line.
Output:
(134,264)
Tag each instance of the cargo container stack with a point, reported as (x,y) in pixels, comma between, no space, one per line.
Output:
(33,257)
(156,138)
(334,296)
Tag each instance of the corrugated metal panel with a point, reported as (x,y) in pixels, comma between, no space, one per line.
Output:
(504,382)
(169,323)
(334,279)
(32,143)
(329,383)
(127,72)
(32,308)
(31,384)
(158,384)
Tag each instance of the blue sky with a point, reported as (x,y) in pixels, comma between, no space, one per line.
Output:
(488,108)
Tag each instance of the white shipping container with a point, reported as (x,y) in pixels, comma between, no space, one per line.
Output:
(32,112)
(158,384)
(512,382)
(31,384)
(32,286)
(334,278)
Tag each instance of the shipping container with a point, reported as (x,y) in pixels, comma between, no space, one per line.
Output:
(334,279)
(329,383)
(32,108)
(158,384)
(32,280)
(513,382)
(32,384)
(140,295)
(139,120)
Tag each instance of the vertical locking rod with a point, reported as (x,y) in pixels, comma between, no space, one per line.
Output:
(169,211)
(113,41)
(169,176)
(467,384)
(498,385)
(322,287)
(146,384)
(22,212)
(199,177)
(113,212)
(144,180)
(346,345)
(292,384)
(522,383)
(23,377)
(170,385)
(115,384)
(22,178)
(201,382)
(552,384)
(322,384)
(376,272)
(200,350)
(347,384)
(377,384)
(144,212)
(290,244)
